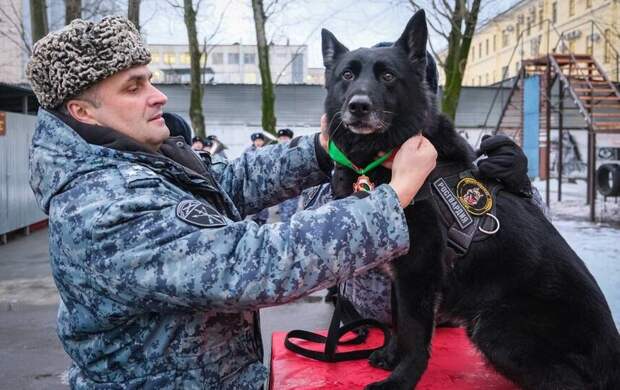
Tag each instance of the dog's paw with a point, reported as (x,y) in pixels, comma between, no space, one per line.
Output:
(384,358)
(383,385)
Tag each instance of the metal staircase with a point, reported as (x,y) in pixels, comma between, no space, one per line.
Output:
(596,97)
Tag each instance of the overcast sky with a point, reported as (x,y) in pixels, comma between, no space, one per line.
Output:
(355,23)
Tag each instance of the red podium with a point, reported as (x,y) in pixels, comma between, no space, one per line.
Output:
(454,365)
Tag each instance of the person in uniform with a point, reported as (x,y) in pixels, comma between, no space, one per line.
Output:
(289,207)
(159,274)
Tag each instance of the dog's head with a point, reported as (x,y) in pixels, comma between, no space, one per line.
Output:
(371,91)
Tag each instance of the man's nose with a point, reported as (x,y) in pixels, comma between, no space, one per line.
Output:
(157,98)
(359,105)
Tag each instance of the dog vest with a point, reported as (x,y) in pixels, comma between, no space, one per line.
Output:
(466,206)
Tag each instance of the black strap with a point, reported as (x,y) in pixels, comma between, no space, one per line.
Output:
(335,332)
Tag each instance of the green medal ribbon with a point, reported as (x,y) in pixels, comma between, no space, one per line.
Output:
(338,156)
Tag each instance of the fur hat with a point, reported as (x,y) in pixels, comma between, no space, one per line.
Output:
(66,62)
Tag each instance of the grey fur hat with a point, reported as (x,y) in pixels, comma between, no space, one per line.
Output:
(66,62)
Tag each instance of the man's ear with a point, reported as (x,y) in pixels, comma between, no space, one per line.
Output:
(414,38)
(332,49)
(81,111)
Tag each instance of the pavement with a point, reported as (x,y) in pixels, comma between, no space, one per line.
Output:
(31,356)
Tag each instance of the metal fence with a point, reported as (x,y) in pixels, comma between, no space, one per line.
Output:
(18,208)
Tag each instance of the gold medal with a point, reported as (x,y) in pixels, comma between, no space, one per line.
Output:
(474,196)
(363,183)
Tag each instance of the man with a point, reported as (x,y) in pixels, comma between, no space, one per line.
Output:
(284,135)
(287,208)
(197,144)
(160,277)
(258,141)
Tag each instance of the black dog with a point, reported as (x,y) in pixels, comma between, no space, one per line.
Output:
(527,301)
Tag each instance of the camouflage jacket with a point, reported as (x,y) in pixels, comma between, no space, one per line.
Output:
(159,275)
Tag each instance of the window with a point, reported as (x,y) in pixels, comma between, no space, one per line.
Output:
(233,58)
(155,57)
(479,80)
(473,81)
(535,46)
(249,58)
(486,79)
(505,38)
(504,74)
(487,47)
(480,50)
(571,46)
(588,3)
(571,7)
(185,58)
(217,58)
(517,67)
(494,42)
(554,12)
(297,68)
(170,58)
(541,17)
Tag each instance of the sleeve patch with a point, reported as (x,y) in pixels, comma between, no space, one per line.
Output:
(199,214)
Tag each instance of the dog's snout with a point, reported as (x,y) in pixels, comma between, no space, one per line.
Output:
(360,105)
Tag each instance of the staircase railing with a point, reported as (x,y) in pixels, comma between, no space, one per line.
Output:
(570,89)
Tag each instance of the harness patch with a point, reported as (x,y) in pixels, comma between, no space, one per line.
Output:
(474,196)
(199,214)
(455,207)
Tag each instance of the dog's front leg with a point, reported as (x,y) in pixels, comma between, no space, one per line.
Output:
(418,278)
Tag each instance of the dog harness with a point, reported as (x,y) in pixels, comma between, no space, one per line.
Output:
(466,206)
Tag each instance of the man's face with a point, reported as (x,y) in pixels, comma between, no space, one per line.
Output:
(197,145)
(283,139)
(130,104)
(259,142)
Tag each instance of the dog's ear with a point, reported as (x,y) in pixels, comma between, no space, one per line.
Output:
(414,38)
(332,49)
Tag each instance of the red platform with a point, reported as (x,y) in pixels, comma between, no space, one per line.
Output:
(454,364)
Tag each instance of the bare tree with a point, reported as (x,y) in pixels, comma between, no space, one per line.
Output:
(268,94)
(455,21)
(12,28)
(196,92)
(38,19)
(133,12)
(73,10)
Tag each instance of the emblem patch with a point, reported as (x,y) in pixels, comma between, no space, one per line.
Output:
(199,214)
(455,207)
(474,196)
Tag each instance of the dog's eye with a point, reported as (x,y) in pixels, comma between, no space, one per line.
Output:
(387,77)
(348,75)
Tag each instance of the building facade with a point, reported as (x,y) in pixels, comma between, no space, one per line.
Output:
(230,64)
(532,28)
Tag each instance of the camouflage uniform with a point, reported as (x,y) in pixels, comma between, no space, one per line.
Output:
(150,300)
(369,292)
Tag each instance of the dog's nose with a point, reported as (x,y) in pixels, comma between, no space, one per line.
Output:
(360,105)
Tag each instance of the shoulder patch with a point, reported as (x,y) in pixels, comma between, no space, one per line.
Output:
(199,214)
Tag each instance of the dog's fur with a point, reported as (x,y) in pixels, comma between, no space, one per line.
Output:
(527,301)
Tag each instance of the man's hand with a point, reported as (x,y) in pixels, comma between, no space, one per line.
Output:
(412,164)
(506,162)
(324,137)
